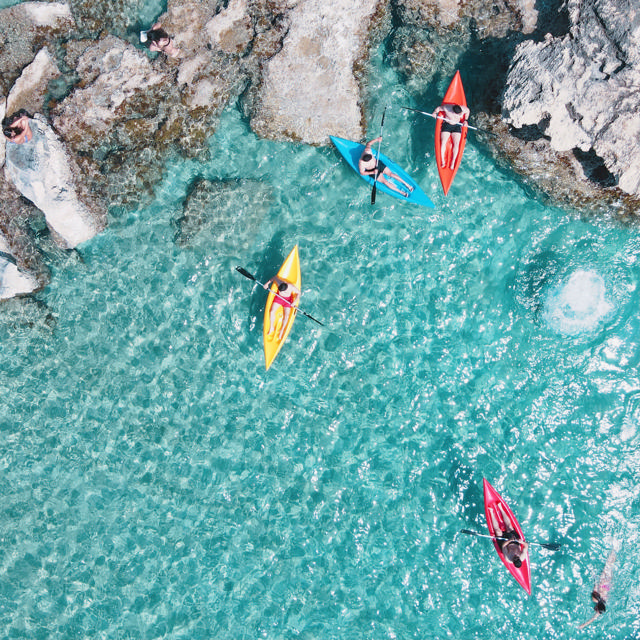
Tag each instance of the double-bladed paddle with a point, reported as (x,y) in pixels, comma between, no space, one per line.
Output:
(375,176)
(425,113)
(552,546)
(246,274)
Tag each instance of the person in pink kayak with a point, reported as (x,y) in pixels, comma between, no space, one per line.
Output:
(600,592)
(452,116)
(513,548)
(285,297)
(367,166)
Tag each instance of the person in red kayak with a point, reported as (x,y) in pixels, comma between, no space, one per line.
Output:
(367,167)
(452,116)
(513,548)
(601,589)
(285,296)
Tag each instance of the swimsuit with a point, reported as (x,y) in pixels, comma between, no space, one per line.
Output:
(447,127)
(380,169)
(508,545)
(284,301)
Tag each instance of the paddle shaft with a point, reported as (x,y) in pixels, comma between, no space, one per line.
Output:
(375,176)
(424,113)
(553,546)
(246,274)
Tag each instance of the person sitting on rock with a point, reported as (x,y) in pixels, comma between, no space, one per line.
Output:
(160,40)
(369,165)
(16,127)
(452,116)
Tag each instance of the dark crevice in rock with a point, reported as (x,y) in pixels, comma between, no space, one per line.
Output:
(594,168)
(553,18)
(531,132)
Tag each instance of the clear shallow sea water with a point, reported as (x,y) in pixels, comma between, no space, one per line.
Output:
(158,483)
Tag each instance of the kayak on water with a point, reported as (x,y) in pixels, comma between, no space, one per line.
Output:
(491,499)
(351,152)
(289,271)
(454,95)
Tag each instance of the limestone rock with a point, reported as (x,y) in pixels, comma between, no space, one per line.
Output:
(25,28)
(30,88)
(41,170)
(580,91)
(309,89)
(13,281)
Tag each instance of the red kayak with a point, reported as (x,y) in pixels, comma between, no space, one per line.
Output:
(491,498)
(454,95)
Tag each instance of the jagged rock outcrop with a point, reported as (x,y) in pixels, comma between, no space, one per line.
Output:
(434,36)
(579,93)
(26,28)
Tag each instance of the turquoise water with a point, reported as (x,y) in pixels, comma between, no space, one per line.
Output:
(158,483)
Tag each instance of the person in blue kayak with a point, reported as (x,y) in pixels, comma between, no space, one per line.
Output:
(600,592)
(452,116)
(513,548)
(285,297)
(367,166)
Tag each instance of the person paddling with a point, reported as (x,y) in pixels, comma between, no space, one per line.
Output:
(453,116)
(286,297)
(513,548)
(600,592)
(367,166)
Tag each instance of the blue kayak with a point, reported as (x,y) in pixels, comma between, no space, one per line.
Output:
(351,152)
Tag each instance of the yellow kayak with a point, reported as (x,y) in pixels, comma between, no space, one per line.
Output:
(289,271)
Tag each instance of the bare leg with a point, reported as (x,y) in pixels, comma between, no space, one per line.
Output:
(392,186)
(495,522)
(272,318)
(395,176)
(444,138)
(456,148)
(505,518)
(285,318)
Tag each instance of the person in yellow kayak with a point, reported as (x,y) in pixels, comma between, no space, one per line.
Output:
(600,592)
(286,297)
(514,549)
(452,116)
(367,167)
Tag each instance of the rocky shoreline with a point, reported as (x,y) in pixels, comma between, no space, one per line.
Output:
(562,105)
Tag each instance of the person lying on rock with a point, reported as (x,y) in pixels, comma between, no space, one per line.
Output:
(160,40)
(369,165)
(452,116)
(16,127)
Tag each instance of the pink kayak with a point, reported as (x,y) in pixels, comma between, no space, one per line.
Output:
(491,498)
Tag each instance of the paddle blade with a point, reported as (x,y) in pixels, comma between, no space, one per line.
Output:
(373,194)
(245,273)
(552,546)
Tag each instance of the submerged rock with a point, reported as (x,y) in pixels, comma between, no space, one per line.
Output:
(579,94)
(215,211)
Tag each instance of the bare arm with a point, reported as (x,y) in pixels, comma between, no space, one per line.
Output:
(584,624)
